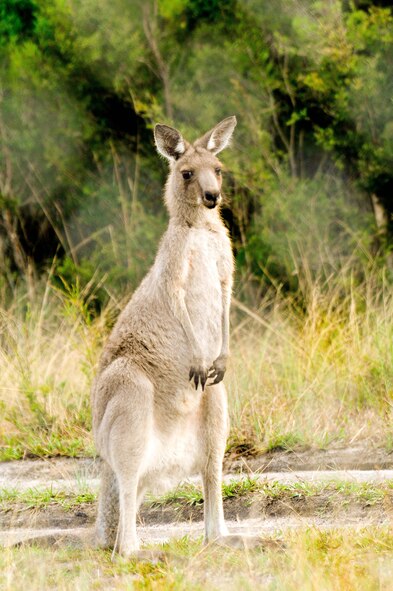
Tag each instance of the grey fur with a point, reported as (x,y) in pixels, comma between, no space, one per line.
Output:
(152,425)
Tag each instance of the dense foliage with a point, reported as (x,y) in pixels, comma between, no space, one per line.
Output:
(310,174)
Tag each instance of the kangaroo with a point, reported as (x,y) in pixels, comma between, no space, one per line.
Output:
(159,402)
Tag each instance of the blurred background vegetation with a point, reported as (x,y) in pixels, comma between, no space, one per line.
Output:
(308,182)
(310,173)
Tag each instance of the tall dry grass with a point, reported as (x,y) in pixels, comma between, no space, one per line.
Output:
(48,350)
(314,368)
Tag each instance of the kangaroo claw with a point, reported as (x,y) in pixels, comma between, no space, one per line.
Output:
(219,377)
(217,371)
(199,375)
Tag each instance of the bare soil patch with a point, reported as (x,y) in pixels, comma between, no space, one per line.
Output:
(358,457)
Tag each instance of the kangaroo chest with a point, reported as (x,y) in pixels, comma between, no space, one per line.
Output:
(205,258)
(203,291)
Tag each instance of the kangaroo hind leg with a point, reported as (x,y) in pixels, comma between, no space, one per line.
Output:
(216,430)
(215,427)
(108,508)
(125,433)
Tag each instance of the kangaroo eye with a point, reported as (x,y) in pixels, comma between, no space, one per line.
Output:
(218,171)
(186,174)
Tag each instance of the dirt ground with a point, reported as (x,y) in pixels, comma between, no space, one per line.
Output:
(250,513)
(357,457)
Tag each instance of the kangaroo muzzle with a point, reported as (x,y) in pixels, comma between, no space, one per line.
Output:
(210,199)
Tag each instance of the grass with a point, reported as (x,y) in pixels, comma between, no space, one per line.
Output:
(313,559)
(314,369)
(48,351)
(190,494)
(311,369)
(34,498)
(339,492)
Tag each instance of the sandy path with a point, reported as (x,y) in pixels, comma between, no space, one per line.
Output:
(362,458)
(74,475)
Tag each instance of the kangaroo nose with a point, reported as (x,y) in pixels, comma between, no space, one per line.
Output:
(211,196)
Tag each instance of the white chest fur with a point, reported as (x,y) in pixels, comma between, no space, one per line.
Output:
(203,290)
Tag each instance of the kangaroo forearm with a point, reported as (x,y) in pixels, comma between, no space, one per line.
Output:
(226,303)
(185,321)
(225,335)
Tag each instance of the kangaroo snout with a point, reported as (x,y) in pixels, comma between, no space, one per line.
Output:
(210,199)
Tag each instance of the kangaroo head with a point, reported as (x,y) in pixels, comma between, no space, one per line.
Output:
(195,178)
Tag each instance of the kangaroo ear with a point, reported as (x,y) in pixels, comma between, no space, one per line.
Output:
(219,137)
(169,142)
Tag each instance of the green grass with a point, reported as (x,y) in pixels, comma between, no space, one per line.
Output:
(283,442)
(187,494)
(239,488)
(34,498)
(42,444)
(339,492)
(190,494)
(312,559)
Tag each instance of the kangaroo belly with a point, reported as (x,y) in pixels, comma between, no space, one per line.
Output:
(207,328)
(172,455)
